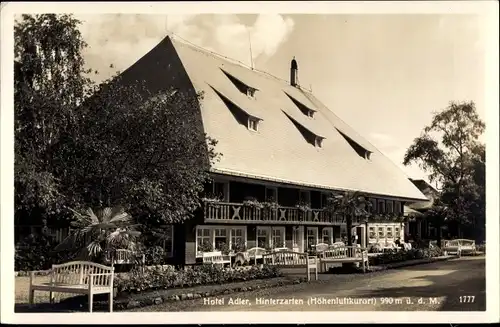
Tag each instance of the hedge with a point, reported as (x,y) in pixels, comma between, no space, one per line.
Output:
(167,277)
(402,255)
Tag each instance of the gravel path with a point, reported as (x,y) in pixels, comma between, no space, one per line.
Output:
(455,285)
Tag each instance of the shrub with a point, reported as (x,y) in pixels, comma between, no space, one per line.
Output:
(399,256)
(155,255)
(35,252)
(155,278)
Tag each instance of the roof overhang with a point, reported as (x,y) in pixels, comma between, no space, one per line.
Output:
(274,180)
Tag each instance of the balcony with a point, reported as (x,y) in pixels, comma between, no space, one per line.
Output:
(238,213)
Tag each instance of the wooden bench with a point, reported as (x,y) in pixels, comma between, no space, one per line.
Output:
(459,246)
(320,247)
(290,259)
(77,277)
(215,258)
(344,254)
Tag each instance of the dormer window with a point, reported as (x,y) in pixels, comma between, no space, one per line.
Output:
(250,92)
(240,85)
(302,107)
(309,136)
(318,141)
(360,150)
(253,124)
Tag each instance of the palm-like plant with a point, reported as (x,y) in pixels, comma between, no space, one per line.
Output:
(94,234)
(349,204)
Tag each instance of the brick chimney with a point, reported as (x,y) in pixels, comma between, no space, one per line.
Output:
(294,73)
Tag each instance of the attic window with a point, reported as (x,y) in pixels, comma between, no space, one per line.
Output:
(242,116)
(250,92)
(361,151)
(253,124)
(241,86)
(318,141)
(309,136)
(303,108)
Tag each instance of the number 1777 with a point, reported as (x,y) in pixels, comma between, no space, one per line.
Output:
(467,299)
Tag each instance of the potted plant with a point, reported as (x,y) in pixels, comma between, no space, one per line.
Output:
(238,246)
(223,247)
(206,246)
(303,206)
(209,198)
(252,202)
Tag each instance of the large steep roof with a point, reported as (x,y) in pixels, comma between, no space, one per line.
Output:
(279,150)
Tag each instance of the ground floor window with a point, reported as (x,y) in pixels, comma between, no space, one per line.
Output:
(270,237)
(226,239)
(263,238)
(221,239)
(371,232)
(381,232)
(238,239)
(278,239)
(327,235)
(168,240)
(204,240)
(389,232)
(312,237)
(397,232)
(298,238)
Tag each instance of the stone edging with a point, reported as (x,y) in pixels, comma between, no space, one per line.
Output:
(155,299)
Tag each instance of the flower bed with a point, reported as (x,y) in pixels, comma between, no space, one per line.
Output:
(402,255)
(167,277)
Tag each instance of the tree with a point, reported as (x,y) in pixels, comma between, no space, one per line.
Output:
(437,215)
(94,234)
(447,150)
(142,148)
(50,81)
(82,145)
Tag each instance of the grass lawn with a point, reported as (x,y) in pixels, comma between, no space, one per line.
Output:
(22,291)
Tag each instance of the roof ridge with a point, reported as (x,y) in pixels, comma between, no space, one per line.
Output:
(195,47)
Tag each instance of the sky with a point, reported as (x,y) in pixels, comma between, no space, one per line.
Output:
(384,75)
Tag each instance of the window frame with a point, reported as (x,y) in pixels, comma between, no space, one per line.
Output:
(381,230)
(315,232)
(318,142)
(381,207)
(269,235)
(251,92)
(308,197)
(397,207)
(330,235)
(275,190)
(389,229)
(372,232)
(389,206)
(253,122)
(170,254)
(225,188)
(212,231)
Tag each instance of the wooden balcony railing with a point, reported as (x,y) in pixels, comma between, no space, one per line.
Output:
(239,213)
